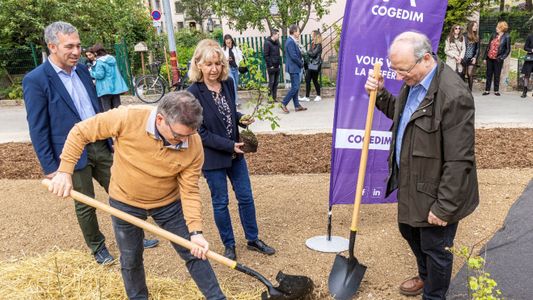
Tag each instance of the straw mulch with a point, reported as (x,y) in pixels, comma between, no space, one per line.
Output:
(74,275)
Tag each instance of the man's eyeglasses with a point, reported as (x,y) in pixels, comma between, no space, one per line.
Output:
(403,72)
(176,135)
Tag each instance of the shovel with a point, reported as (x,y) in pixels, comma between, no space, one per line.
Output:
(347,273)
(290,286)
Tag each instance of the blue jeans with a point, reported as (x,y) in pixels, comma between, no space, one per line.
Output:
(234,73)
(218,185)
(293,92)
(130,243)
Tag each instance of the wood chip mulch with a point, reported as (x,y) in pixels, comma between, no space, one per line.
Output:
(301,154)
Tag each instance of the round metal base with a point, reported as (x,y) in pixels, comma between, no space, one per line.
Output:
(320,243)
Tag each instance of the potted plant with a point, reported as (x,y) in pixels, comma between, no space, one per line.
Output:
(262,107)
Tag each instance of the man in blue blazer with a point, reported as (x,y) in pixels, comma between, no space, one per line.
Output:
(293,65)
(57,95)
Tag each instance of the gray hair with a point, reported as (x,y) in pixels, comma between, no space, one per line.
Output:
(182,108)
(419,41)
(51,31)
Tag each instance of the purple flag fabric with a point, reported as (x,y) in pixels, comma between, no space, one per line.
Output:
(368,29)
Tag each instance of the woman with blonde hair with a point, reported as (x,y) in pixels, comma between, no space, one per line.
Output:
(455,48)
(470,59)
(222,150)
(314,66)
(497,51)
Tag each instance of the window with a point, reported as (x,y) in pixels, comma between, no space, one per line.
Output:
(178,7)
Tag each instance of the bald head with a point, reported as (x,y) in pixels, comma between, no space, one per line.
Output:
(417,43)
(411,58)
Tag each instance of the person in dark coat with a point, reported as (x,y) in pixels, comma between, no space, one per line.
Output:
(432,161)
(470,59)
(497,51)
(314,66)
(272,56)
(224,157)
(527,68)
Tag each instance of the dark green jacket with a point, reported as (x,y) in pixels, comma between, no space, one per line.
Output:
(437,164)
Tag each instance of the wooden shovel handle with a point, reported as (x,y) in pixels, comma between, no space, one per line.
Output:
(145,225)
(364,152)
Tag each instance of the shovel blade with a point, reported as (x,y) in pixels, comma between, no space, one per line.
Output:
(345,277)
(290,287)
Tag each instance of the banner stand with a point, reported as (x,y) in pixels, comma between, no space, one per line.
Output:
(327,243)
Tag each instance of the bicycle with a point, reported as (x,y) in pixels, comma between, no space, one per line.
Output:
(152,87)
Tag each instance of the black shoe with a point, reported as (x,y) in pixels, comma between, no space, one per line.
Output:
(147,244)
(103,257)
(229,252)
(485,93)
(524,93)
(260,246)
(497,93)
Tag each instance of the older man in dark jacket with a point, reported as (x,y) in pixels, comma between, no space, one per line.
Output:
(273,61)
(432,162)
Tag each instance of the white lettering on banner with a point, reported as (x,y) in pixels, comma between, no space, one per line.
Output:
(353,139)
(370,61)
(398,13)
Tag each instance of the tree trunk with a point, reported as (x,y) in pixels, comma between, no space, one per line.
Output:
(502,5)
(529,5)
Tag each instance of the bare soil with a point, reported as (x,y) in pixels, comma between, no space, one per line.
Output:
(291,184)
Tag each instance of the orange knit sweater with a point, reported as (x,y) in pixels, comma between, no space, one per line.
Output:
(145,173)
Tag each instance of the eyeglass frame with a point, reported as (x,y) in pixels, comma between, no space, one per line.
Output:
(403,73)
(176,135)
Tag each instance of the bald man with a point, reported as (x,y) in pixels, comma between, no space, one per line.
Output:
(432,162)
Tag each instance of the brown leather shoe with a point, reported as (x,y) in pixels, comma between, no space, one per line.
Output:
(412,287)
(300,108)
(284,109)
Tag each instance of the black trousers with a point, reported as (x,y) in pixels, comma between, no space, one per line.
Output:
(312,75)
(273,80)
(494,68)
(110,101)
(433,260)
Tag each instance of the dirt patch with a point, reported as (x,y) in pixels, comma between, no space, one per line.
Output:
(290,209)
(309,154)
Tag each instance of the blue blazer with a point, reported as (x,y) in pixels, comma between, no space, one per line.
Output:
(218,146)
(293,57)
(51,113)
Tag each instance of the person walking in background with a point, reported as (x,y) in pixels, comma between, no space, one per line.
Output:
(314,66)
(222,150)
(432,163)
(527,68)
(234,56)
(470,59)
(293,65)
(157,167)
(497,51)
(58,94)
(455,49)
(272,57)
(109,82)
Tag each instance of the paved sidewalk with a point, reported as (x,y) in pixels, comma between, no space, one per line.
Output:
(508,110)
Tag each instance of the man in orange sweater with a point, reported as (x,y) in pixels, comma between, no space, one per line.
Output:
(157,164)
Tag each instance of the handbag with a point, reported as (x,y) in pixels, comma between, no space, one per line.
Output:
(528,57)
(313,66)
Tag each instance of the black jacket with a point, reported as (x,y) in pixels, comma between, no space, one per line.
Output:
(476,48)
(504,49)
(437,162)
(218,146)
(528,46)
(272,53)
(315,54)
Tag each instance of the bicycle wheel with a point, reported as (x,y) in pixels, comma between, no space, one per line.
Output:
(150,88)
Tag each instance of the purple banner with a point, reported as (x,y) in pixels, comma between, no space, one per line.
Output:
(368,29)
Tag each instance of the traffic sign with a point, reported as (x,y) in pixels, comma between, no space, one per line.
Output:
(156,23)
(156,15)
